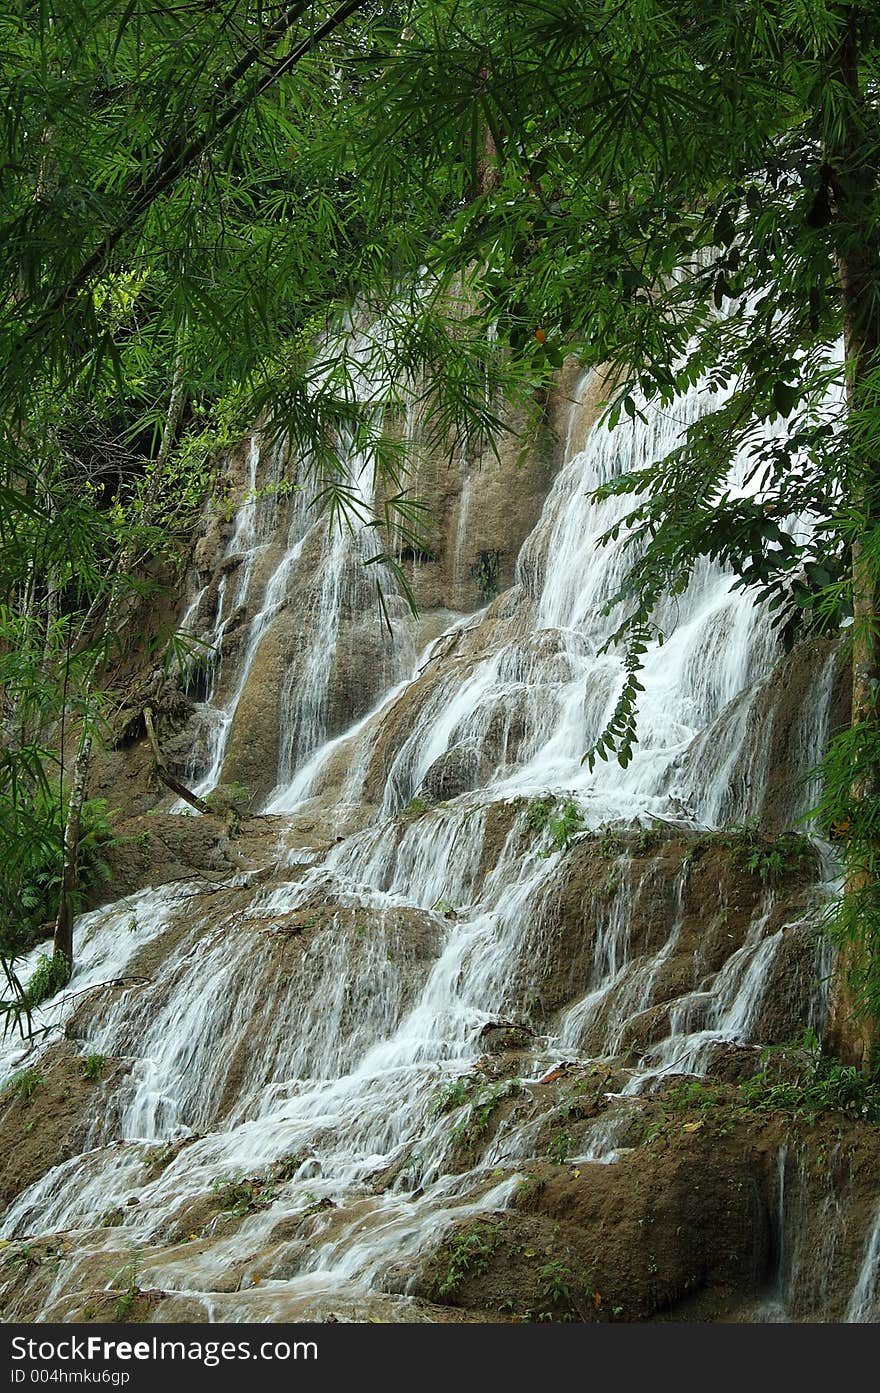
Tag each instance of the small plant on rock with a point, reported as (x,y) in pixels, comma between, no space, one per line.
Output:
(538,814)
(24,1084)
(239,1196)
(93,1066)
(49,976)
(564,828)
(469,1254)
(556,1282)
(127,1277)
(451,1096)
(561,1146)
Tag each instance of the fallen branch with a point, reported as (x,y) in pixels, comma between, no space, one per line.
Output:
(163,773)
(503,1025)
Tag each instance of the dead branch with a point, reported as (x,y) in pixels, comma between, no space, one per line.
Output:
(168,779)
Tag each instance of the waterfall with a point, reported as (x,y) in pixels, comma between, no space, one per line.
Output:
(298,1032)
(865,1301)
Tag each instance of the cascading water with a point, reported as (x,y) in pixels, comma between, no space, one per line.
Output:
(249,540)
(309,1027)
(279,553)
(865,1301)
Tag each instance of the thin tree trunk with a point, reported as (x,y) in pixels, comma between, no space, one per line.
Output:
(852,1032)
(63,940)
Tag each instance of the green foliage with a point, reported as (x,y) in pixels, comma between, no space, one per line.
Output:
(528,1187)
(677,190)
(607,842)
(557,1283)
(560,1146)
(562,821)
(125,1301)
(675,193)
(184,228)
(468,1253)
(127,1277)
(29,890)
(240,1195)
(852,923)
(487,1100)
(538,814)
(770,858)
(847,810)
(647,838)
(212,227)
(451,1096)
(93,1066)
(415,807)
(818,1086)
(566,826)
(693,1093)
(480,1099)
(768,864)
(192,658)
(28,899)
(794,1078)
(24,1084)
(49,976)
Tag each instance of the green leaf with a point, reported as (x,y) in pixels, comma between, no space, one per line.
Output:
(785,397)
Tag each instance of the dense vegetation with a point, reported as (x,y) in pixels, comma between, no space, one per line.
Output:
(195,201)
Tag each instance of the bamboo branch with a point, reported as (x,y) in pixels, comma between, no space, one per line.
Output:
(176,160)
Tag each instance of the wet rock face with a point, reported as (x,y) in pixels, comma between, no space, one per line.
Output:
(457,771)
(46,1113)
(803,701)
(161,848)
(664,913)
(681,1221)
(813,690)
(625,1242)
(502,1037)
(710,1211)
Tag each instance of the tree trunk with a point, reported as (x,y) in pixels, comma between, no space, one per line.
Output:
(852,1032)
(63,940)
